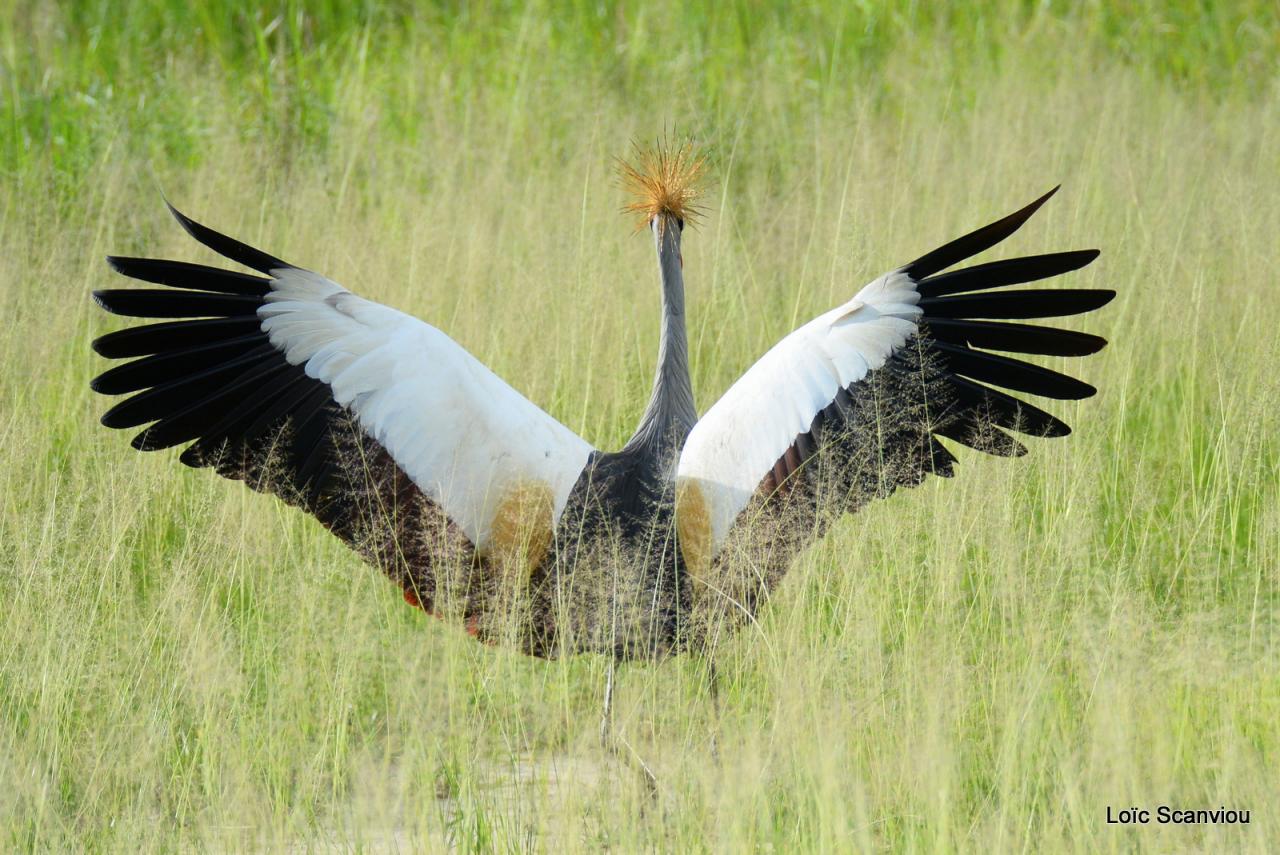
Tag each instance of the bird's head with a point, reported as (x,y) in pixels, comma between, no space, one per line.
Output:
(664,183)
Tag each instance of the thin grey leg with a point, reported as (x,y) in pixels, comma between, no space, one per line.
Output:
(617,745)
(713,689)
(606,721)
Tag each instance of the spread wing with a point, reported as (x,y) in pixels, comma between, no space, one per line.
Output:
(851,405)
(389,432)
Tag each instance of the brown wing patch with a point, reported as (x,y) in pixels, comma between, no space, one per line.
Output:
(522,527)
(693,527)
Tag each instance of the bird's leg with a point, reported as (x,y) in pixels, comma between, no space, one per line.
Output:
(713,689)
(606,721)
(614,742)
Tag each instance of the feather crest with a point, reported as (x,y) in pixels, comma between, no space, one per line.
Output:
(665,179)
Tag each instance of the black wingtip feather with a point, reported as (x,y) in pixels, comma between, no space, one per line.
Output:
(986,438)
(1010,271)
(187,419)
(1007,411)
(182,274)
(158,303)
(172,335)
(974,242)
(1015,338)
(1013,373)
(173,365)
(161,401)
(233,249)
(1017,305)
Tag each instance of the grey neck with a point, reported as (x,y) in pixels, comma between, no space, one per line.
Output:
(670,414)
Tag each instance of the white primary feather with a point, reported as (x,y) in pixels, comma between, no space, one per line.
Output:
(734,446)
(457,430)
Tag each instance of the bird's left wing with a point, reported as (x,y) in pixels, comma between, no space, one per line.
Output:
(383,427)
(850,405)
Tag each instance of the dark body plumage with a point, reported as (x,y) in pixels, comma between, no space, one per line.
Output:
(616,582)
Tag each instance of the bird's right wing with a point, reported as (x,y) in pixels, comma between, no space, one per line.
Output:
(396,438)
(850,405)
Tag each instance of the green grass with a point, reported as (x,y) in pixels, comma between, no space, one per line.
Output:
(986,663)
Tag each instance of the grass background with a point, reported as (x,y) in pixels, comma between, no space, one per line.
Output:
(983,663)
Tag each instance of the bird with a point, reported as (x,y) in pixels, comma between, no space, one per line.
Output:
(489,513)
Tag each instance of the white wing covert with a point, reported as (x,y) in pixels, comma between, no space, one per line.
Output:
(464,436)
(737,444)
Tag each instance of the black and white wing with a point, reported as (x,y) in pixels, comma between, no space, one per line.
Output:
(396,438)
(851,405)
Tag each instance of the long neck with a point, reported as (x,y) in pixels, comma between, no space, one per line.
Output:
(670,414)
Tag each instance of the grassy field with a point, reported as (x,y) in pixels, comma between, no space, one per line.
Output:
(981,664)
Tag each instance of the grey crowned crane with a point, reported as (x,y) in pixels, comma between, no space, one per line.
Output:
(484,509)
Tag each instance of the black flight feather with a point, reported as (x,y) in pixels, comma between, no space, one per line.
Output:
(1028,303)
(182,274)
(172,365)
(1011,271)
(230,247)
(155,303)
(974,242)
(191,421)
(1012,373)
(1007,411)
(982,436)
(167,398)
(1014,338)
(172,335)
